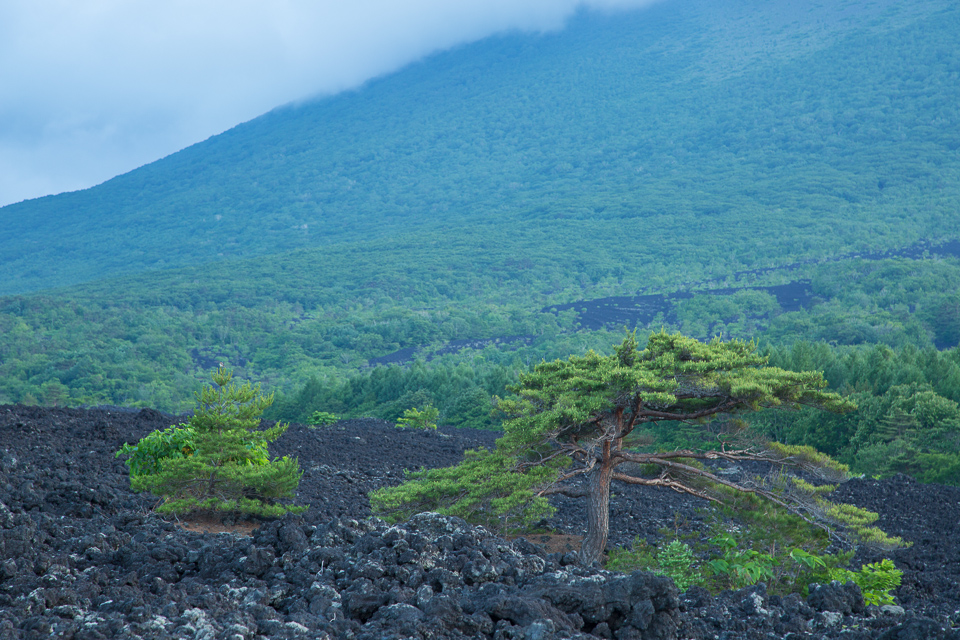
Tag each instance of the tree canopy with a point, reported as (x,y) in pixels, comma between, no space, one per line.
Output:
(568,431)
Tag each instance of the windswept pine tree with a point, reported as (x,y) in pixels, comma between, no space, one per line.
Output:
(569,426)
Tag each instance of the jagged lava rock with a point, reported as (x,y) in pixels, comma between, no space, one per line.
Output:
(81,556)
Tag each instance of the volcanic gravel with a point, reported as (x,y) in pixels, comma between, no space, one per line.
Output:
(81,556)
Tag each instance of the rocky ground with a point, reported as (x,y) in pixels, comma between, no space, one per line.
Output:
(81,556)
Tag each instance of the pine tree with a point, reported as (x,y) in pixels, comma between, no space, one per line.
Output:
(229,469)
(572,420)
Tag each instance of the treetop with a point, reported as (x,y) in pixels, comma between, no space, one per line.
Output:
(673,378)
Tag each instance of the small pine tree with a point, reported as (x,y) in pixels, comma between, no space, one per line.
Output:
(227,470)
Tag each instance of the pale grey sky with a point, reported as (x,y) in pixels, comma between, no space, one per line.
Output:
(90,89)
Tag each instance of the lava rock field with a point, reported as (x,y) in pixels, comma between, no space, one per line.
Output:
(81,556)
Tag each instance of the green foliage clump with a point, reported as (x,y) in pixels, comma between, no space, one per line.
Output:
(734,558)
(177,441)
(784,569)
(901,430)
(227,467)
(769,543)
(813,489)
(480,489)
(907,418)
(859,520)
(322,418)
(855,521)
(741,567)
(876,580)
(145,457)
(425,418)
(725,565)
(676,561)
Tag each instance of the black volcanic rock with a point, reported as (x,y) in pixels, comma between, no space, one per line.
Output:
(841,598)
(83,557)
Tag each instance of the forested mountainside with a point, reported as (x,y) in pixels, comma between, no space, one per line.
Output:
(716,135)
(782,171)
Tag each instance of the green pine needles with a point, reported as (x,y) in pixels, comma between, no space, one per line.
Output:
(482,489)
(219,461)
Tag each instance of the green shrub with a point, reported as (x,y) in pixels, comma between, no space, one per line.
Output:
(875,580)
(322,418)
(425,418)
(796,569)
(674,560)
(146,456)
(740,567)
(731,562)
(175,442)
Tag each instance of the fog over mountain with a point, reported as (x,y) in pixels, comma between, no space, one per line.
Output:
(94,89)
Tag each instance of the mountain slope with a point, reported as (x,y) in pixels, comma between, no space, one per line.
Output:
(749,134)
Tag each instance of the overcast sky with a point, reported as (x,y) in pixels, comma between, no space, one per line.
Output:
(90,89)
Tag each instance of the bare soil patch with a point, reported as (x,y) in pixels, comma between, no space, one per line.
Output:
(554,542)
(215,524)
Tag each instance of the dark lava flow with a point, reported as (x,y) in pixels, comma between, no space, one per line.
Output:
(81,556)
(642,309)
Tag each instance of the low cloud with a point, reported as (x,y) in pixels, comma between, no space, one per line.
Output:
(96,88)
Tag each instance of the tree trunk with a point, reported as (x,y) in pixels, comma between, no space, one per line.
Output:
(598,512)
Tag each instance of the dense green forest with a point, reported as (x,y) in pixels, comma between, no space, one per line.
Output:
(152,339)
(705,151)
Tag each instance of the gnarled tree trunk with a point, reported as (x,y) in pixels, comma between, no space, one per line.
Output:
(598,510)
